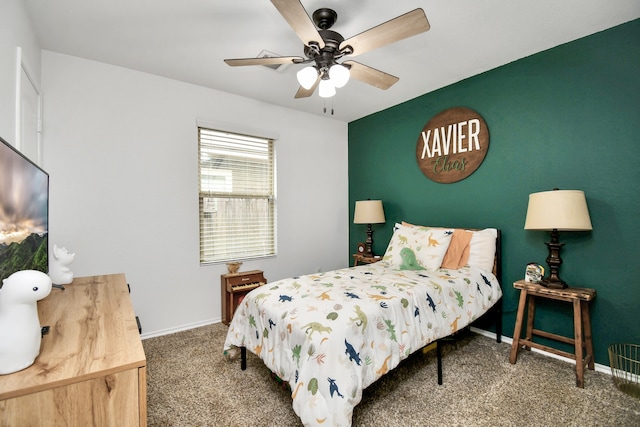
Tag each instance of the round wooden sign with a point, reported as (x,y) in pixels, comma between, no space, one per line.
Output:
(452,145)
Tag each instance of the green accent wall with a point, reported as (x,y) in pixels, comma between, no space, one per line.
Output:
(568,117)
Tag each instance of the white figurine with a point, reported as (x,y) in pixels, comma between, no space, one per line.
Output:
(20,330)
(58,266)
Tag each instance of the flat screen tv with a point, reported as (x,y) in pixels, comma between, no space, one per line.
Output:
(24,213)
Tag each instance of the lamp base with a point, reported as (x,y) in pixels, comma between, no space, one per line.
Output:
(554,261)
(368,244)
(553,284)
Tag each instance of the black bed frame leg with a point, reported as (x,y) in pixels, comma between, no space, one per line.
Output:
(243,358)
(498,271)
(499,322)
(439,357)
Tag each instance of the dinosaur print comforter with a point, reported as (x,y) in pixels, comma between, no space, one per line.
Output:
(330,335)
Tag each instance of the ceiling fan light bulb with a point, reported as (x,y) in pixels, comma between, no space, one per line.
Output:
(326,89)
(307,77)
(339,75)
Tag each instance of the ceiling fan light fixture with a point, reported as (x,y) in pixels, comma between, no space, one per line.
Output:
(339,75)
(323,47)
(326,89)
(307,77)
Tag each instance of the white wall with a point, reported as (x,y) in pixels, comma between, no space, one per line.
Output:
(121,151)
(15,31)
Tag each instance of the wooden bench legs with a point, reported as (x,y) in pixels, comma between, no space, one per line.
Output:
(515,346)
(582,341)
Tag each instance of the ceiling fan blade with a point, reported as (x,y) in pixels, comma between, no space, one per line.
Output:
(402,27)
(305,93)
(371,76)
(265,61)
(295,14)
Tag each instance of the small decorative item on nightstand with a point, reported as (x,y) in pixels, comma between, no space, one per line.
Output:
(233,267)
(534,273)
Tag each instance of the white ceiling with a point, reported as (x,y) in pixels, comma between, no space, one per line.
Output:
(187,40)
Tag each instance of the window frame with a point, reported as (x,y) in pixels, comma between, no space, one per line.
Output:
(224,191)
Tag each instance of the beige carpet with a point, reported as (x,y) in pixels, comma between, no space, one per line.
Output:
(190,383)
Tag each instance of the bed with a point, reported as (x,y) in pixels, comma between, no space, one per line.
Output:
(330,335)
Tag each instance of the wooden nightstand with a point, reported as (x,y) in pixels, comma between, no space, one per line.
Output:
(361,259)
(582,342)
(234,287)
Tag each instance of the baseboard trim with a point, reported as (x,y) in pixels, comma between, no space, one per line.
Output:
(179,328)
(508,340)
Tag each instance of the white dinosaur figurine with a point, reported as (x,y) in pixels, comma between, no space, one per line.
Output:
(58,266)
(20,330)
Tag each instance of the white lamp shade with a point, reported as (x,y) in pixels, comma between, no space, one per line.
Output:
(369,212)
(339,75)
(326,89)
(564,210)
(307,77)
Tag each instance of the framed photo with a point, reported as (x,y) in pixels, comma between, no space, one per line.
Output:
(534,273)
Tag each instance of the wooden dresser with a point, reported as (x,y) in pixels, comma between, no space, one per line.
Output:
(91,370)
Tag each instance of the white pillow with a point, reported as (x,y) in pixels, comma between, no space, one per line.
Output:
(418,248)
(482,249)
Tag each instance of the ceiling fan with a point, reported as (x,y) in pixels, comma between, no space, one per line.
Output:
(324,47)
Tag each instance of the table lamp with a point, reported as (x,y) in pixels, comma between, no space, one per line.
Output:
(368,212)
(557,210)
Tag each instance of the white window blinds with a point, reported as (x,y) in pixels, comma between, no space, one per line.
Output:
(237,197)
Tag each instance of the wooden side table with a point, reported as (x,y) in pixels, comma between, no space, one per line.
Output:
(361,259)
(579,297)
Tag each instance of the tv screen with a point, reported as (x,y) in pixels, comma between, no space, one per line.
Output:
(24,213)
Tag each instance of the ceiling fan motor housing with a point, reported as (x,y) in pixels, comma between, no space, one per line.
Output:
(326,57)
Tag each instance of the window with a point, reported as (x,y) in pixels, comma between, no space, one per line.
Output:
(237,197)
